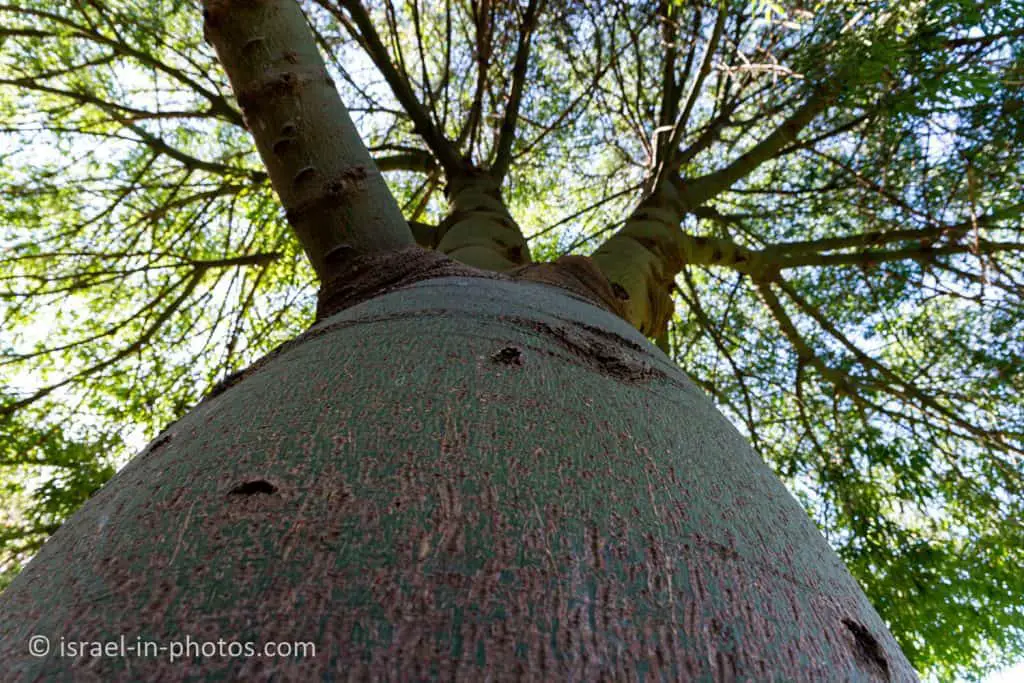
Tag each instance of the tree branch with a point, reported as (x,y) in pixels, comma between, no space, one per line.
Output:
(503,156)
(423,124)
(219,104)
(334,197)
(893,384)
(682,120)
(706,187)
(191,282)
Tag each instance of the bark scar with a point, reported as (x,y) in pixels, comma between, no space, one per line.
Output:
(867,648)
(578,274)
(510,355)
(253,488)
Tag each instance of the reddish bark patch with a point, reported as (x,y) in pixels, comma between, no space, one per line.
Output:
(607,353)
(352,279)
(579,275)
(355,279)
(161,441)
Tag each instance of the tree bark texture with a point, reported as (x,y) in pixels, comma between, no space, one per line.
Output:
(334,196)
(465,479)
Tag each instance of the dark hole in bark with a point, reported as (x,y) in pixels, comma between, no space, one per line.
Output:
(340,254)
(161,441)
(251,488)
(514,254)
(281,145)
(868,648)
(509,355)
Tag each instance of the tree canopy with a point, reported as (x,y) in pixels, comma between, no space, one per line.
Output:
(814,209)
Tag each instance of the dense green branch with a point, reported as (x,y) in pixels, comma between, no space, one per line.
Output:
(190,284)
(219,105)
(187,160)
(794,251)
(892,383)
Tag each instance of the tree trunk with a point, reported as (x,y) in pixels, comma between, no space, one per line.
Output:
(479,230)
(645,255)
(465,478)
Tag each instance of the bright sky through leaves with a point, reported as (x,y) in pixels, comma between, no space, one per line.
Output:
(868,341)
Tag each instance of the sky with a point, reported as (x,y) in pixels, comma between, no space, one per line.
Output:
(1012,675)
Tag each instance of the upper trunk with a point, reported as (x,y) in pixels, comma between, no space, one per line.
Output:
(645,255)
(479,230)
(466,479)
(333,194)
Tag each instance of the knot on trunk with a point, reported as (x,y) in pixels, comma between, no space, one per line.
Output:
(352,279)
(578,274)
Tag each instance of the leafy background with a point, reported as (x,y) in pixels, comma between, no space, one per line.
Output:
(143,256)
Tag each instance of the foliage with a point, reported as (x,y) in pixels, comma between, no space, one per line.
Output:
(66,471)
(143,255)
